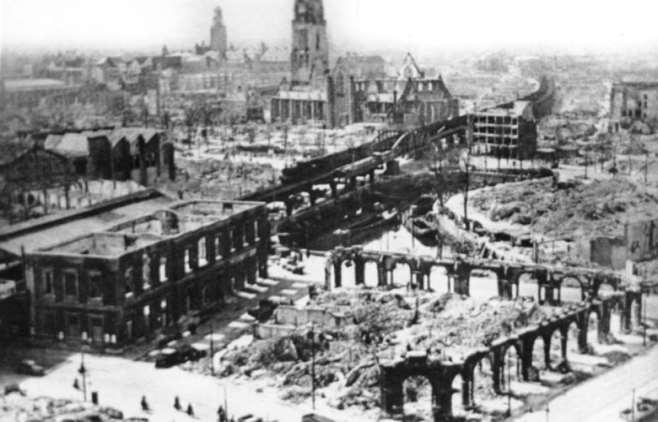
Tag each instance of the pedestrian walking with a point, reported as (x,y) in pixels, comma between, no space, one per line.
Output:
(144,403)
(221,414)
(76,385)
(190,410)
(177,405)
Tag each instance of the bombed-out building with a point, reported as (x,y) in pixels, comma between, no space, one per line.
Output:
(139,154)
(633,101)
(123,270)
(506,131)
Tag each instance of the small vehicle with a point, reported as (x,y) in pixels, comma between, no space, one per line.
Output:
(188,352)
(646,409)
(167,358)
(29,367)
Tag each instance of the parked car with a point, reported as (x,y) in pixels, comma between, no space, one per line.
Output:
(167,358)
(29,367)
(646,409)
(176,355)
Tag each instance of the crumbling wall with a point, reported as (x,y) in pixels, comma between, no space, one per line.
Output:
(265,331)
(289,315)
(642,239)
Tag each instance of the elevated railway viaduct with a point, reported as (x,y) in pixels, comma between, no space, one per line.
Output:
(441,371)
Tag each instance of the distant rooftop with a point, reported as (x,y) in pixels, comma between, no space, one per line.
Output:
(14,85)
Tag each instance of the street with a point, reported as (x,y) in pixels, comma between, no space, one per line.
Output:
(602,398)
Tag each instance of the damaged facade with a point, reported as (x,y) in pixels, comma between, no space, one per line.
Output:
(507,131)
(633,101)
(121,279)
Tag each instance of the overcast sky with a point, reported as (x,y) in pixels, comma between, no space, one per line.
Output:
(368,24)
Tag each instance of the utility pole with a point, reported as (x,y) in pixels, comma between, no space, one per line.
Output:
(313,366)
(509,388)
(212,350)
(83,371)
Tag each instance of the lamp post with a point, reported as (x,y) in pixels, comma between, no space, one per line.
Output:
(83,370)
(509,388)
(313,366)
(212,350)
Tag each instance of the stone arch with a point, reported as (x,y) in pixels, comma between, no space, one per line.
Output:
(527,285)
(370,270)
(540,356)
(617,314)
(634,311)
(593,326)
(510,366)
(418,393)
(557,346)
(483,383)
(487,281)
(438,278)
(572,287)
(574,337)
(459,397)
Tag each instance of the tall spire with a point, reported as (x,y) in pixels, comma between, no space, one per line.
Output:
(310,46)
(309,11)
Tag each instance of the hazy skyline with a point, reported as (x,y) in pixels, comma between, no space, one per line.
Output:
(367,24)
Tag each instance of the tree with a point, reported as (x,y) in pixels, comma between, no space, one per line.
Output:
(191,119)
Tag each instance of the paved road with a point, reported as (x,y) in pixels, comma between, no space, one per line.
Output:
(602,398)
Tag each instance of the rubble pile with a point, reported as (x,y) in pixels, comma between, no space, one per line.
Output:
(218,178)
(383,324)
(21,407)
(597,208)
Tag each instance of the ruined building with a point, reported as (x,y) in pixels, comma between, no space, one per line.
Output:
(218,37)
(410,98)
(633,101)
(358,90)
(122,270)
(506,131)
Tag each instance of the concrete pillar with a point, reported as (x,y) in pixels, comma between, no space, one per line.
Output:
(334,190)
(381,274)
(526,358)
(564,336)
(582,332)
(359,271)
(547,351)
(338,274)
(392,398)
(462,284)
(420,280)
(442,401)
(262,264)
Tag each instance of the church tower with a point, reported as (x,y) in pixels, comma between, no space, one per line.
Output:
(310,48)
(218,38)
